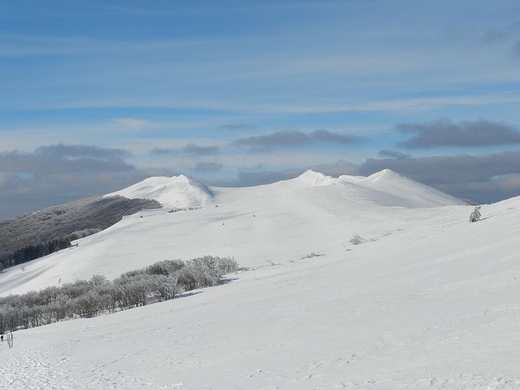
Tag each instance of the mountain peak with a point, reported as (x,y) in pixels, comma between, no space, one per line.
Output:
(406,192)
(176,192)
(385,174)
(315,179)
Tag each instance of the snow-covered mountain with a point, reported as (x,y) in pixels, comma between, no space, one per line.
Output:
(176,192)
(276,217)
(425,300)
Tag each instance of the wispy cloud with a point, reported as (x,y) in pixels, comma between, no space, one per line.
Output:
(282,107)
(190,149)
(238,126)
(392,154)
(133,123)
(415,104)
(32,45)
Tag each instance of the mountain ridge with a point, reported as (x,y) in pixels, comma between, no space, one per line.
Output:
(184,192)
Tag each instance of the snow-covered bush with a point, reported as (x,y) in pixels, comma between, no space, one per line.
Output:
(133,288)
(205,271)
(165,267)
(188,278)
(98,280)
(164,287)
(89,305)
(357,240)
(76,289)
(475,215)
(226,265)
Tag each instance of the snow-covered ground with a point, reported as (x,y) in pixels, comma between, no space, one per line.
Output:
(427,301)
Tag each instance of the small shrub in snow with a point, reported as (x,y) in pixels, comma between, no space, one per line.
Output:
(357,240)
(226,265)
(205,271)
(475,215)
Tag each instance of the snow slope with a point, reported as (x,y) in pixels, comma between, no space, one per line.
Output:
(428,301)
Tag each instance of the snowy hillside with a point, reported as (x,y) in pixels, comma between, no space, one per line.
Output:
(427,300)
(256,225)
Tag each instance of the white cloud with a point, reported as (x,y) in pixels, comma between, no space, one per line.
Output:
(135,124)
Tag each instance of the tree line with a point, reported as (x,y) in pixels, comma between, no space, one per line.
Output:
(35,251)
(158,282)
(34,235)
(32,252)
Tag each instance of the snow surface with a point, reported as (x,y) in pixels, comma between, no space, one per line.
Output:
(428,301)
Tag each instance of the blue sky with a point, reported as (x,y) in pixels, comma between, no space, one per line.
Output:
(97,95)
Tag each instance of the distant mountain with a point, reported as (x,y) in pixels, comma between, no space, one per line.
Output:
(392,189)
(386,188)
(37,232)
(285,217)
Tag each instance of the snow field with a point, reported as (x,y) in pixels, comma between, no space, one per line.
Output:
(428,301)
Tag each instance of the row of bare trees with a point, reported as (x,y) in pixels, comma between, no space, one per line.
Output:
(161,281)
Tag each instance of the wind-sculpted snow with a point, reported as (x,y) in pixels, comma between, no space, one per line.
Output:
(426,300)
